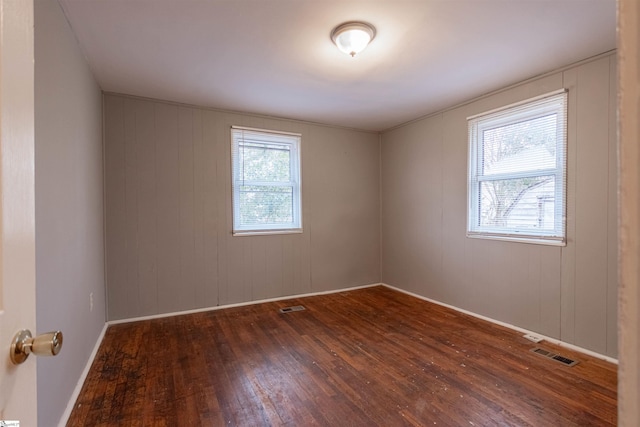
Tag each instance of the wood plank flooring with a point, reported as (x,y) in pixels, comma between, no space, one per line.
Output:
(368,357)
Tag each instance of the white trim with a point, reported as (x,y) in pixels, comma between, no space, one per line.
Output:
(238,304)
(266,232)
(277,132)
(509,326)
(76,391)
(534,240)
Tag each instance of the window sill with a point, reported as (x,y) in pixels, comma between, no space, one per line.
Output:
(241,233)
(524,239)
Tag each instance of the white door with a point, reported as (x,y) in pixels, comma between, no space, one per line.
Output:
(17,215)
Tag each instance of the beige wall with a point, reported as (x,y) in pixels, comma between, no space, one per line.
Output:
(69,207)
(567,293)
(168,220)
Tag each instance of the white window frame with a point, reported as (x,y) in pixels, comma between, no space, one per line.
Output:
(293,141)
(529,109)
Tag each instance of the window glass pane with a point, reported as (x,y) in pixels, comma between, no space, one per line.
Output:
(521,203)
(265,205)
(522,146)
(264,162)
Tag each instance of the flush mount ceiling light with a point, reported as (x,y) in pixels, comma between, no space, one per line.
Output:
(353,37)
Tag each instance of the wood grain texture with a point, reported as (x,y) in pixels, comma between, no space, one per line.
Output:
(373,357)
(612,217)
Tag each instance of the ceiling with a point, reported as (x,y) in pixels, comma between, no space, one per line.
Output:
(275,57)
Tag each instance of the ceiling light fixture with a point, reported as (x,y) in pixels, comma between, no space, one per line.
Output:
(353,37)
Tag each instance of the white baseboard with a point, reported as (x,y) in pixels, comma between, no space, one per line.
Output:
(240,304)
(507,325)
(76,392)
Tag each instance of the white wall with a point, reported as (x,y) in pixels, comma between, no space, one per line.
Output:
(69,207)
(168,219)
(568,293)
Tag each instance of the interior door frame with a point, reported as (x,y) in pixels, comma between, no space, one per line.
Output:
(18,398)
(629,212)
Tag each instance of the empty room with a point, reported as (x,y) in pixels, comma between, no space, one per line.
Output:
(334,213)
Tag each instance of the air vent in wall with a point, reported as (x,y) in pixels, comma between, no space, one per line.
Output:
(554,356)
(292,308)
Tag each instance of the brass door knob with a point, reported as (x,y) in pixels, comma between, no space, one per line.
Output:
(47,344)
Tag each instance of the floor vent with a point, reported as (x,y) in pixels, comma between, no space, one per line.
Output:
(556,357)
(292,308)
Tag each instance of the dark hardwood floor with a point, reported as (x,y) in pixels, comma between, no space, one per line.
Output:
(359,358)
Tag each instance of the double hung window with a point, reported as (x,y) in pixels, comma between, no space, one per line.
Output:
(266,182)
(517,171)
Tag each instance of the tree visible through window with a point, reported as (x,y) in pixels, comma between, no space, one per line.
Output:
(266,181)
(517,171)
